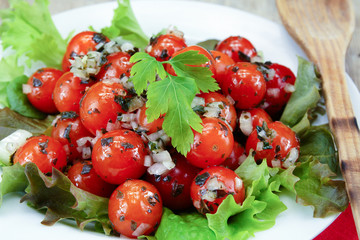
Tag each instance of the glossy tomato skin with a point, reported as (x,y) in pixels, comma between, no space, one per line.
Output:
(213,145)
(117,65)
(212,185)
(174,186)
(238,48)
(119,155)
(46,152)
(150,127)
(101,104)
(222,62)
(245,84)
(67,130)
(236,157)
(68,91)
(81,44)
(276,143)
(42,84)
(256,117)
(83,176)
(135,208)
(279,88)
(164,46)
(228,113)
(209,64)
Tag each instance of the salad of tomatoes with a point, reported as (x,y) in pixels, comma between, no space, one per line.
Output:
(120,135)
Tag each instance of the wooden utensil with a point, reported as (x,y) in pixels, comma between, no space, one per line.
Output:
(323,28)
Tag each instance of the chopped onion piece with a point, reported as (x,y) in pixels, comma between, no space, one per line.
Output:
(238,183)
(26,88)
(209,196)
(82,141)
(163,156)
(245,123)
(276,163)
(174,31)
(242,158)
(148,161)
(141,229)
(134,125)
(273,92)
(259,146)
(157,169)
(67,149)
(262,134)
(128,117)
(156,135)
(291,158)
(113,126)
(256,59)
(125,47)
(197,101)
(86,153)
(136,103)
(55,120)
(231,100)
(289,88)
(214,184)
(271,74)
(98,135)
(126,125)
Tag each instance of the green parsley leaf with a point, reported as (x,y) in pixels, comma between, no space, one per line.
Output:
(173,96)
(145,70)
(201,75)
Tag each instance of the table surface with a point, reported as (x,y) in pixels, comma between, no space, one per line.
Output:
(264,8)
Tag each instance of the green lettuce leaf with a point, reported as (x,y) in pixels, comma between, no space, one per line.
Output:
(57,195)
(124,24)
(306,95)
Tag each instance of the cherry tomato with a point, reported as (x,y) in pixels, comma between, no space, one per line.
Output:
(222,61)
(236,158)
(135,208)
(276,143)
(67,130)
(212,185)
(81,44)
(119,155)
(164,46)
(117,65)
(42,84)
(68,91)
(228,113)
(238,48)
(174,186)
(249,119)
(201,50)
(213,145)
(46,152)
(101,104)
(245,84)
(83,176)
(151,127)
(279,86)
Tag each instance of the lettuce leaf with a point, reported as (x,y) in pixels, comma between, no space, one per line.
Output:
(30,33)
(57,195)
(124,24)
(306,95)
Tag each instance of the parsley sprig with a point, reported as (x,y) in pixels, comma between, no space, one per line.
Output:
(172,95)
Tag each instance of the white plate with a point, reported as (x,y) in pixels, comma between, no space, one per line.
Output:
(199,21)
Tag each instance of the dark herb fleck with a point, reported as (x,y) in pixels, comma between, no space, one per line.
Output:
(122,218)
(127,145)
(106,141)
(176,189)
(37,82)
(98,37)
(201,179)
(43,146)
(119,195)
(68,115)
(86,169)
(67,132)
(133,225)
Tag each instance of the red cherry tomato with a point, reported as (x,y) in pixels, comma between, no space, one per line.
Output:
(238,48)
(279,86)
(67,130)
(201,50)
(228,113)
(222,61)
(164,46)
(236,157)
(249,119)
(83,176)
(213,145)
(46,152)
(135,208)
(116,66)
(151,127)
(81,44)
(68,92)
(212,185)
(245,84)
(101,104)
(42,84)
(174,186)
(119,155)
(276,143)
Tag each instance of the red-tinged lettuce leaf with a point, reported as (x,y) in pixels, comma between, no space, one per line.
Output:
(62,199)
(13,180)
(316,188)
(10,121)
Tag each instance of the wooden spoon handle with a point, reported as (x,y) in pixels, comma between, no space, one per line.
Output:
(342,121)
